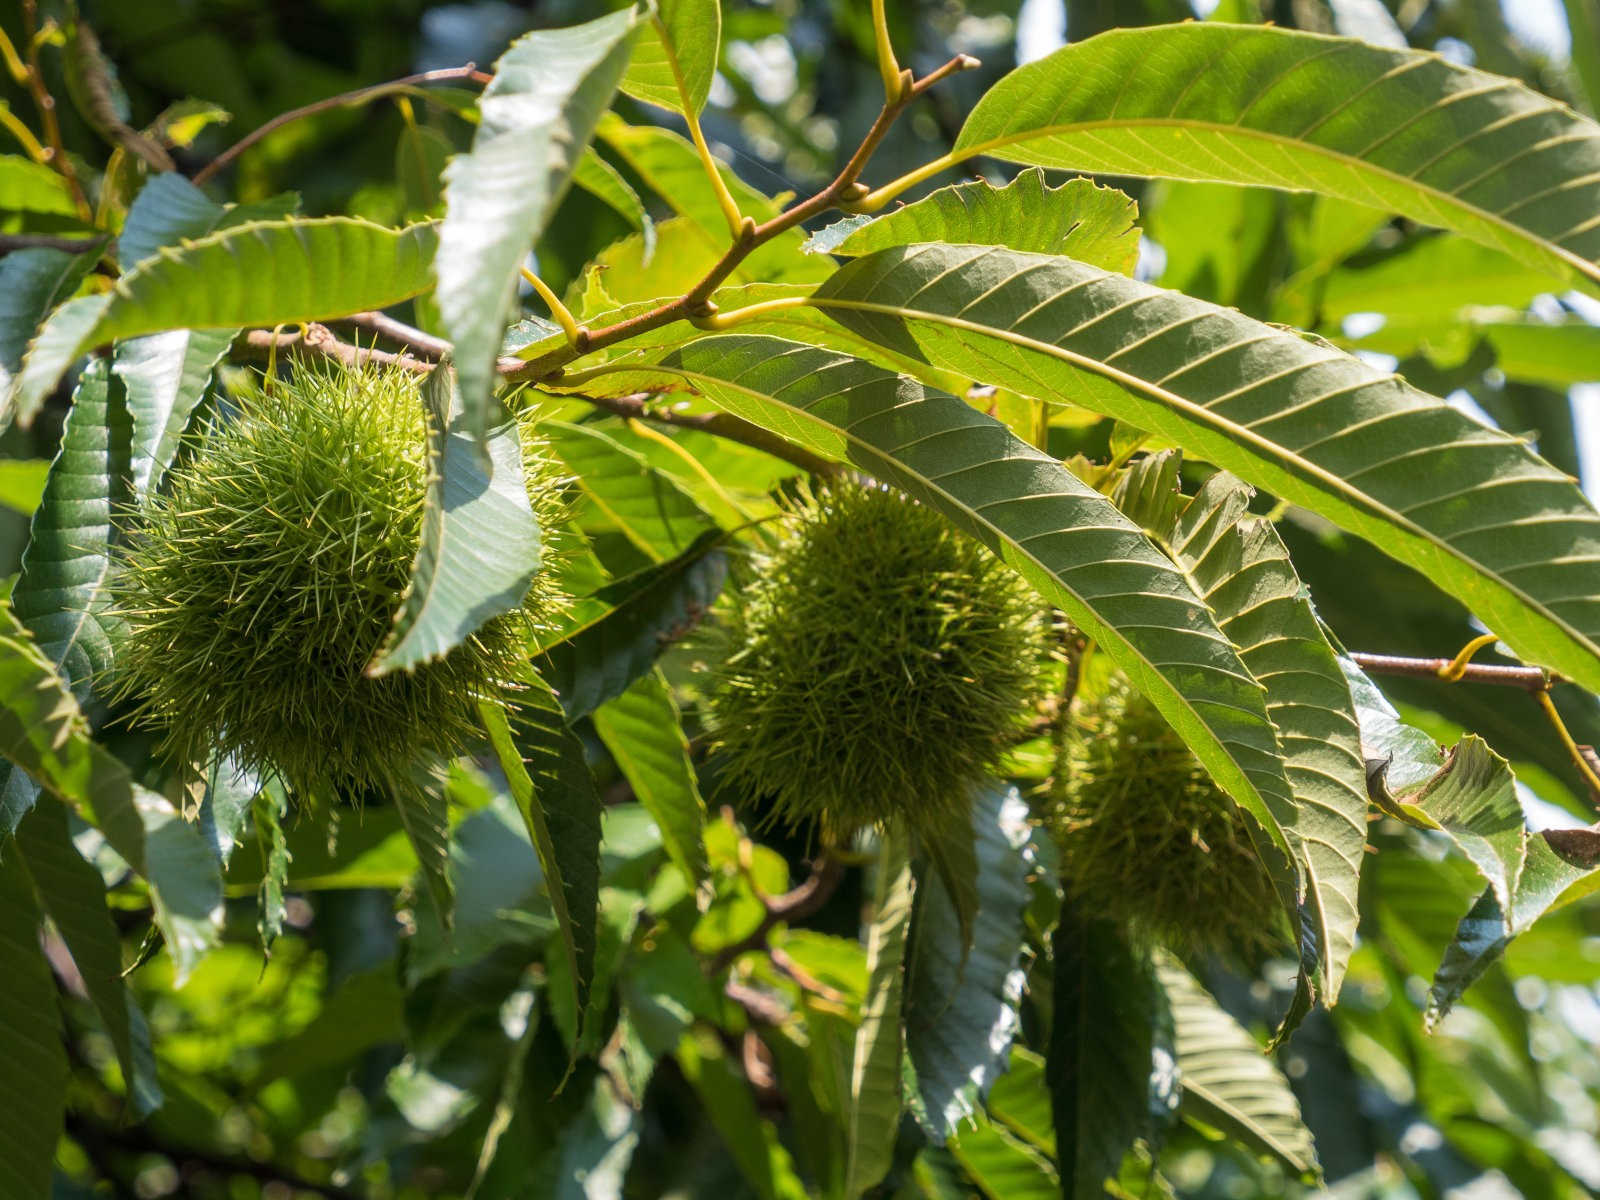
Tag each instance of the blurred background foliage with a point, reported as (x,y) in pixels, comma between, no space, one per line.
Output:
(371,1055)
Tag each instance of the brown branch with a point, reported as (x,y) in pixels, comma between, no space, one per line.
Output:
(1528,679)
(696,302)
(344,100)
(793,905)
(424,344)
(48,241)
(46,104)
(318,341)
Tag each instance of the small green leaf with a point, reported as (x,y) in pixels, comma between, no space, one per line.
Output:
(27,186)
(556,797)
(1079,219)
(1020,1100)
(33,1086)
(962,1009)
(537,115)
(1228,1081)
(643,729)
(481,544)
(269,811)
(873,1099)
(1002,1166)
(616,634)
(649,508)
(262,273)
(685,39)
(22,483)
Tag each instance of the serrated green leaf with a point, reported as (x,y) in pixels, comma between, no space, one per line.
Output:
(73,894)
(481,544)
(43,732)
(962,1009)
(537,115)
(1548,871)
(27,186)
(648,507)
(1102,1048)
(1471,507)
(872,1100)
(1240,567)
(684,40)
(604,182)
(32,282)
(229,796)
(59,595)
(1080,219)
(169,210)
(268,811)
(1467,791)
(643,729)
(165,376)
(1228,1081)
(1062,536)
(616,634)
(1402,130)
(556,797)
(261,273)
(33,1087)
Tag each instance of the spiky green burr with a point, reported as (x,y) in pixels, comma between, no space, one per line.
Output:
(257,585)
(1149,840)
(881,665)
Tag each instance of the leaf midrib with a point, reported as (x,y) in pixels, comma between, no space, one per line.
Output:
(1199,414)
(1225,132)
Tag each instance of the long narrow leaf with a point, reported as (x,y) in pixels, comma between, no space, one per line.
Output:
(1472,508)
(262,273)
(1401,130)
(538,114)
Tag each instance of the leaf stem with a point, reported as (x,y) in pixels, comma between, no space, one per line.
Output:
(1457,666)
(878,197)
(1574,751)
(46,104)
(563,316)
(691,114)
(23,134)
(15,67)
(894,86)
(716,322)
(359,96)
(696,302)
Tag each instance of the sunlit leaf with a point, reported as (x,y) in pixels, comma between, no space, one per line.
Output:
(1292,415)
(684,43)
(1402,130)
(537,115)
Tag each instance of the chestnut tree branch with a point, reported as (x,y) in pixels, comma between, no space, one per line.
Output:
(366,95)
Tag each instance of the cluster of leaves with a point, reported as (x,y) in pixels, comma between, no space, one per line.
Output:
(551,970)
